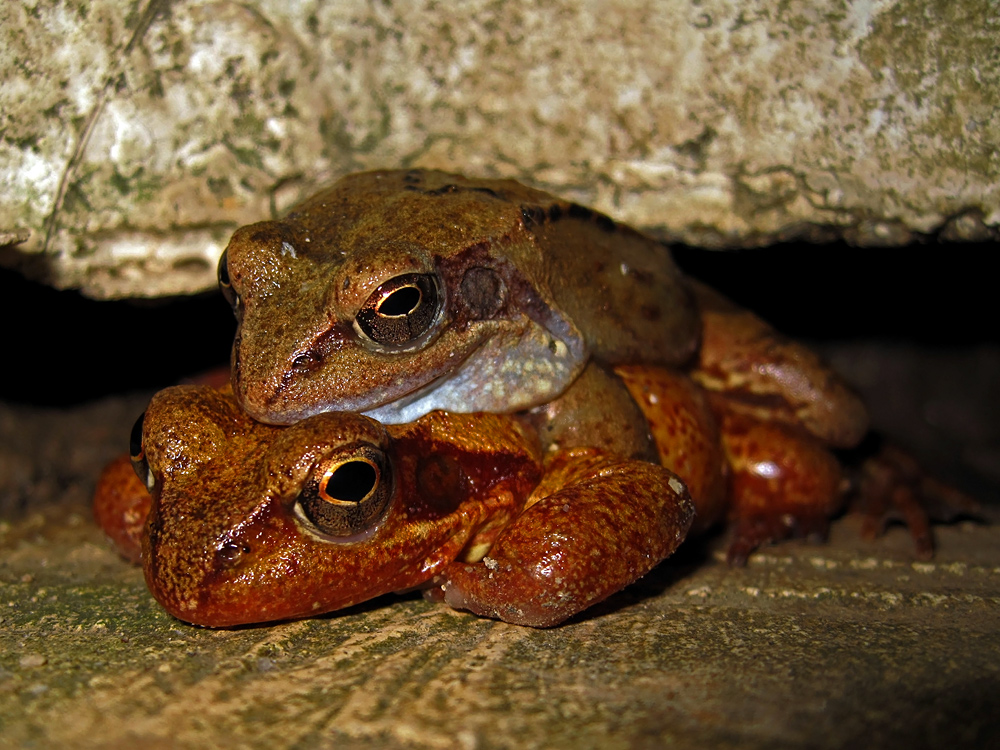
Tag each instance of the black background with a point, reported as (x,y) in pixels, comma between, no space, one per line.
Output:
(63,349)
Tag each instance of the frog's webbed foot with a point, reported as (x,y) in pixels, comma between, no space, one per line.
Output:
(893,486)
(596,523)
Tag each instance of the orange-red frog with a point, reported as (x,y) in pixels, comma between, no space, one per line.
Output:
(249,522)
(254,523)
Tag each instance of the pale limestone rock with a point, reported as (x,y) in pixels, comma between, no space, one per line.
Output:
(134,144)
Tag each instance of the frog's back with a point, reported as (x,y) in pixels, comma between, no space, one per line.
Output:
(619,286)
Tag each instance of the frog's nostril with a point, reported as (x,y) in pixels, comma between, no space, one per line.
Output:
(306,362)
(229,554)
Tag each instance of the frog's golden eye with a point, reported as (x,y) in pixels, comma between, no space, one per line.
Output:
(225,285)
(347,494)
(137,454)
(401,310)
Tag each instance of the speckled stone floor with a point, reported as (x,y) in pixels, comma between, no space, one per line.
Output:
(845,644)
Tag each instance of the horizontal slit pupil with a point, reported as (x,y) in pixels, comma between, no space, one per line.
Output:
(403,301)
(351,481)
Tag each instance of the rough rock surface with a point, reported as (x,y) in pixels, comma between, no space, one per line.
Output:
(130,152)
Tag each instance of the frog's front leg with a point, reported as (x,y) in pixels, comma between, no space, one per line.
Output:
(596,523)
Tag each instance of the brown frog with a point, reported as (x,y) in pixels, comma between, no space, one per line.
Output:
(396,293)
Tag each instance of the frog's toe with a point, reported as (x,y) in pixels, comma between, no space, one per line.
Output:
(894,487)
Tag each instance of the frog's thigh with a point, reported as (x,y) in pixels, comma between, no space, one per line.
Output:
(121,505)
(595,524)
(686,435)
(783,483)
(769,377)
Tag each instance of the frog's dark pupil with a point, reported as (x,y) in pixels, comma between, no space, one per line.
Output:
(401,302)
(135,438)
(350,482)
(224,269)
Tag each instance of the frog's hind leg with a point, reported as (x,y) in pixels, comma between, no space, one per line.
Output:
(778,481)
(121,505)
(783,483)
(596,523)
(893,485)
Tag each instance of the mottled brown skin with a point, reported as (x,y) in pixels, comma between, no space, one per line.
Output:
(227,543)
(530,288)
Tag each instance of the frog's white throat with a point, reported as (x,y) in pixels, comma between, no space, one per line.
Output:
(507,374)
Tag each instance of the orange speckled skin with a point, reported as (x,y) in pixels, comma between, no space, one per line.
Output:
(783,483)
(225,544)
(121,505)
(595,524)
(686,435)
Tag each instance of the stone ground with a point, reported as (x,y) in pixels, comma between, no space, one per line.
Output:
(851,642)
(848,643)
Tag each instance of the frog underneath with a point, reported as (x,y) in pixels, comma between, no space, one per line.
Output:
(253,523)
